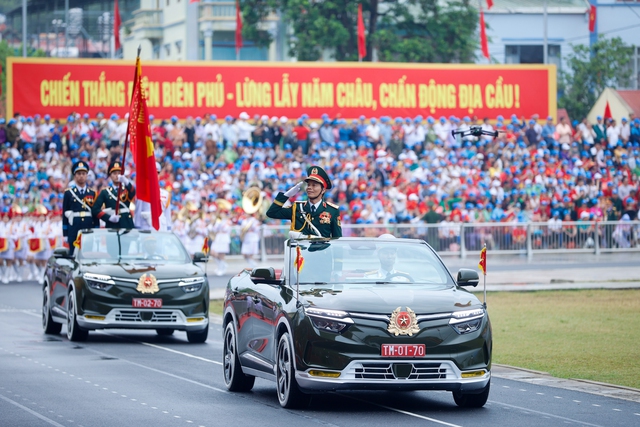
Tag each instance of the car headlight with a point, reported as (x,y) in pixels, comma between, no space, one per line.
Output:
(101,282)
(329,320)
(464,322)
(192,284)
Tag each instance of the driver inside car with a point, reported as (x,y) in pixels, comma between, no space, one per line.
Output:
(387,271)
(150,248)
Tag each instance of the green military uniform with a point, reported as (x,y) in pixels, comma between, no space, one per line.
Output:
(304,219)
(105,204)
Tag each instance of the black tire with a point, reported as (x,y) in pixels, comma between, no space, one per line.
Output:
(48,324)
(468,400)
(289,394)
(198,337)
(74,331)
(165,332)
(234,378)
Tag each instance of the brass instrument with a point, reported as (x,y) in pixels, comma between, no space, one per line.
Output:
(252,200)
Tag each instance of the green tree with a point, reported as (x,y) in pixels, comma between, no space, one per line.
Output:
(407,31)
(5,52)
(590,71)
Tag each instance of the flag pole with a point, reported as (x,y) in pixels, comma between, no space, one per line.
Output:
(485,278)
(126,136)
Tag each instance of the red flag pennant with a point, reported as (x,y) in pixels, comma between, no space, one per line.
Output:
(78,242)
(484,44)
(607,112)
(489,4)
(482,265)
(116,25)
(147,185)
(238,27)
(205,246)
(299,259)
(362,45)
(592,18)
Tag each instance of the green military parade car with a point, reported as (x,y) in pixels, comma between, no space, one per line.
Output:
(126,279)
(357,314)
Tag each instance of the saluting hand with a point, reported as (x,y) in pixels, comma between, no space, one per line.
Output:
(294,190)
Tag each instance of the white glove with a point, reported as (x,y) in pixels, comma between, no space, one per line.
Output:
(114,218)
(69,215)
(123,180)
(294,190)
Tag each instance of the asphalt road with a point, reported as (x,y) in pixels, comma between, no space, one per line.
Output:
(124,378)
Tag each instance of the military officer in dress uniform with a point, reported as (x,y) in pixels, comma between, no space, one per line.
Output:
(76,205)
(315,217)
(105,206)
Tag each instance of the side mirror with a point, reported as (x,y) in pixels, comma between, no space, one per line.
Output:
(467,277)
(264,275)
(61,253)
(200,257)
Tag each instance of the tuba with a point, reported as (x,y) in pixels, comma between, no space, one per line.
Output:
(252,200)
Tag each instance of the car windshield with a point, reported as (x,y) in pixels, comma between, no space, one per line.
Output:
(132,246)
(368,262)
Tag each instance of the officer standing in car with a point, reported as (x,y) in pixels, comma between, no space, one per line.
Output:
(105,206)
(315,217)
(76,205)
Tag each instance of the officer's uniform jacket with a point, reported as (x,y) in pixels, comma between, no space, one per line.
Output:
(326,218)
(80,207)
(105,206)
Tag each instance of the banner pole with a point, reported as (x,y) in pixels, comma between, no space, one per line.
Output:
(485,278)
(126,136)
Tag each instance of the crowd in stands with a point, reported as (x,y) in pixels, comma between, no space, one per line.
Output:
(384,170)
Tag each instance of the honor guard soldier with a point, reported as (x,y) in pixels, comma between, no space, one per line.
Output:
(77,204)
(315,217)
(105,206)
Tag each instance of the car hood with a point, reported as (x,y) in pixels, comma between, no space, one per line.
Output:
(383,299)
(135,270)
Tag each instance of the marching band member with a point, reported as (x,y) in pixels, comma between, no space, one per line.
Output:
(108,198)
(250,233)
(19,232)
(6,248)
(76,205)
(142,215)
(220,246)
(39,250)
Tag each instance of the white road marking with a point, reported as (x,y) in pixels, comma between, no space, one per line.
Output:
(32,412)
(617,410)
(565,419)
(402,411)
(577,401)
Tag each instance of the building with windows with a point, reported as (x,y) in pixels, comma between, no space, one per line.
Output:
(518,29)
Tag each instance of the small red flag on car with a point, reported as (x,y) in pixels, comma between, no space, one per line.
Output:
(482,265)
(78,241)
(299,259)
(205,246)
(592,18)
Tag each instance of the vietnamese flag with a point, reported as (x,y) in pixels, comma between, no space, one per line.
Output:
(205,246)
(78,242)
(238,28)
(147,186)
(362,45)
(299,259)
(484,44)
(592,18)
(482,265)
(116,25)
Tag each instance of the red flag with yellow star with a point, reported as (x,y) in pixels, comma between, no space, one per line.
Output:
(205,246)
(593,11)
(78,242)
(299,259)
(147,186)
(482,265)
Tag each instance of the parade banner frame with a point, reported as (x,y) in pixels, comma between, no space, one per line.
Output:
(59,87)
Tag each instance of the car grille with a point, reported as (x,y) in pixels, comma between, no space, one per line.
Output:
(385,371)
(145,316)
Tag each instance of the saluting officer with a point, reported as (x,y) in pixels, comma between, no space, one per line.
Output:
(77,204)
(315,217)
(109,196)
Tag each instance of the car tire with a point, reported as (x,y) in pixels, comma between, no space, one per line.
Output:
(48,324)
(289,394)
(198,337)
(74,331)
(468,400)
(165,332)
(234,378)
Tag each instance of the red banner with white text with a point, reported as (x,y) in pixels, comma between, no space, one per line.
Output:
(59,87)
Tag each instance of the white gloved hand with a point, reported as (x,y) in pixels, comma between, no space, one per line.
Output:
(123,180)
(69,215)
(294,190)
(114,218)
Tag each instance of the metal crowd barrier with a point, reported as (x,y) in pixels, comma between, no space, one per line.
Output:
(463,239)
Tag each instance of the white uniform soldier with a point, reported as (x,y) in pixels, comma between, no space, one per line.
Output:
(6,249)
(250,231)
(142,215)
